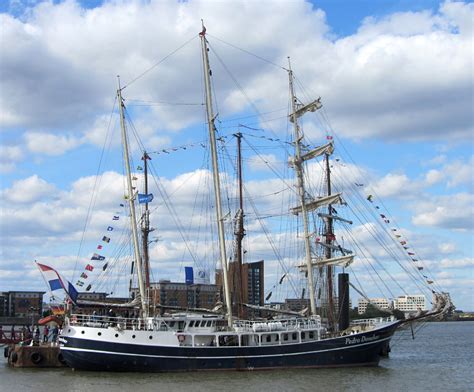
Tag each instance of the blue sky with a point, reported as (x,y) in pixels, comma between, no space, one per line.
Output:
(395,78)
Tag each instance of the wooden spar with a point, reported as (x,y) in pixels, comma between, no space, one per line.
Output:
(131,202)
(215,175)
(301,191)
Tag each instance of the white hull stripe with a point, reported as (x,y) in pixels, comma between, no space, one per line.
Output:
(226,357)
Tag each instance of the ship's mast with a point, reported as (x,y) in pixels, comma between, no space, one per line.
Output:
(239,234)
(215,174)
(298,164)
(146,228)
(131,201)
(329,241)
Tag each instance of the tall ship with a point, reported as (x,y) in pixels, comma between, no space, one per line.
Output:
(145,334)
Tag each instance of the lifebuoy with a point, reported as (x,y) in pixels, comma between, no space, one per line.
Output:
(36,358)
(61,358)
(13,357)
(181,338)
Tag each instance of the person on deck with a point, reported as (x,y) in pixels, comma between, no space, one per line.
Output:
(55,334)
(45,334)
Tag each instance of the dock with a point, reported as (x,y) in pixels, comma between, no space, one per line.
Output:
(40,356)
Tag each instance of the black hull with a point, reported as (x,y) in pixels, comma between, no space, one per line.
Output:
(362,349)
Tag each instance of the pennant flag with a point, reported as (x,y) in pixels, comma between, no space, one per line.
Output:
(411,253)
(143,198)
(398,235)
(115,217)
(394,229)
(415,260)
(110,228)
(357,184)
(268,296)
(99,246)
(403,242)
(139,168)
(406,247)
(382,215)
(96,256)
(420,268)
(122,205)
(189,275)
(89,267)
(106,239)
(79,283)
(369,198)
(328,137)
(105,266)
(84,275)
(377,207)
(429,282)
(88,287)
(386,221)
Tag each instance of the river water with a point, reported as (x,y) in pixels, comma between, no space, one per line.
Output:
(440,358)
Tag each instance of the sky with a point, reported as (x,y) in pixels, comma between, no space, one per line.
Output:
(395,77)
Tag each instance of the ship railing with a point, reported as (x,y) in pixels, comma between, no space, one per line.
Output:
(277,325)
(373,321)
(119,322)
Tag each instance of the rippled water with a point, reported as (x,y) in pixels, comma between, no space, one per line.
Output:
(439,359)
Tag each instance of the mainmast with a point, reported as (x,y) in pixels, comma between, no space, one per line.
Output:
(239,234)
(131,201)
(298,164)
(329,241)
(146,227)
(215,174)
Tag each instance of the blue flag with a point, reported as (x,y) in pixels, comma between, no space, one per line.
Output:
(72,292)
(188,271)
(143,198)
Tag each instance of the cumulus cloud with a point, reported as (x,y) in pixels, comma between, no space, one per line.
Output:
(465,262)
(407,65)
(451,212)
(50,144)
(31,189)
(9,155)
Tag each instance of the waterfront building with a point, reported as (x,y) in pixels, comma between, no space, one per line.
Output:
(184,295)
(21,303)
(380,303)
(410,303)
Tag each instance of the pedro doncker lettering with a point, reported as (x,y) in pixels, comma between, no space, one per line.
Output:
(362,339)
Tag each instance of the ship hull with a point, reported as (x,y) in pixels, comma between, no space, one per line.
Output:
(363,349)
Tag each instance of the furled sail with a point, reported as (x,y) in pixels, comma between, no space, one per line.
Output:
(343,261)
(318,151)
(323,201)
(335,217)
(310,107)
(336,247)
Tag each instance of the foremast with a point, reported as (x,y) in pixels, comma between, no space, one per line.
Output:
(131,202)
(215,174)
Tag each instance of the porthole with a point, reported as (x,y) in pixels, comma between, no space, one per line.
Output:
(99,333)
(150,337)
(133,336)
(83,332)
(116,335)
